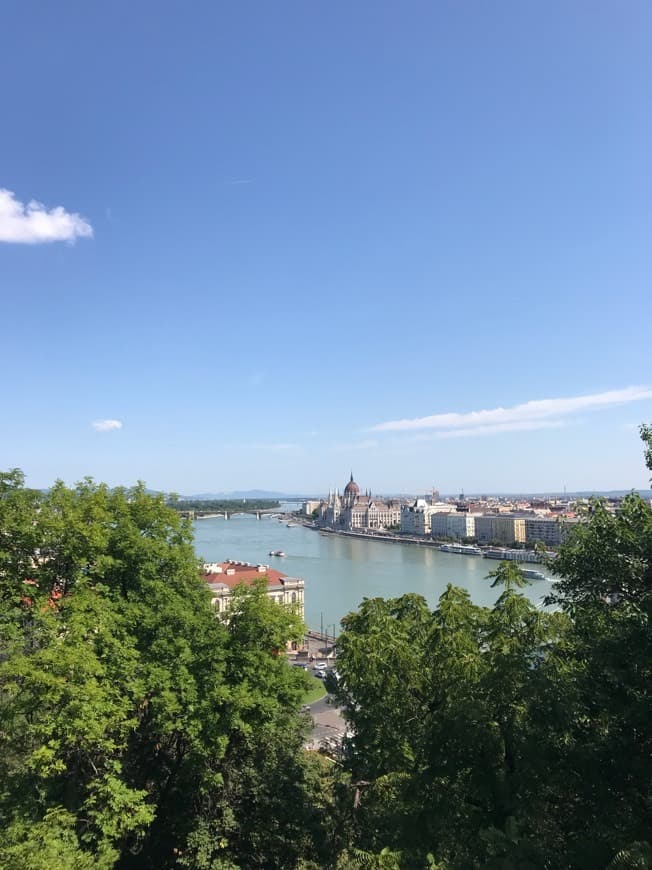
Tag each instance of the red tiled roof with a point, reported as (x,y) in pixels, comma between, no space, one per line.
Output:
(246,574)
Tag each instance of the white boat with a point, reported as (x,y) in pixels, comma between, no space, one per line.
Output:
(507,554)
(276,553)
(461,549)
(531,574)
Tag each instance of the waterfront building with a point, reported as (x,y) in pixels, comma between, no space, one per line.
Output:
(455,525)
(223,577)
(484,529)
(501,529)
(551,531)
(509,529)
(352,510)
(416,517)
(310,506)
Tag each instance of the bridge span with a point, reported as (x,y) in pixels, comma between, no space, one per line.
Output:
(259,514)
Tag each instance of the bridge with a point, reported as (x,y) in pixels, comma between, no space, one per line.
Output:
(259,514)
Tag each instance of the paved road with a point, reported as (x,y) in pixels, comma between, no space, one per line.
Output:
(328,723)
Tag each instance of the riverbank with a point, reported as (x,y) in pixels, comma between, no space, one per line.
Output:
(488,552)
(387,538)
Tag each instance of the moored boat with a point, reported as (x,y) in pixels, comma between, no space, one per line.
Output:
(461,549)
(507,554)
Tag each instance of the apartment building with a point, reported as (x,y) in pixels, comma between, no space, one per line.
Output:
(416,518)
(456,525)
(501,529)
(551,531)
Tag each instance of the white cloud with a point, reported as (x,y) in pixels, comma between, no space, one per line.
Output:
(537,414)
(107,425)
(32,223)
(497,428)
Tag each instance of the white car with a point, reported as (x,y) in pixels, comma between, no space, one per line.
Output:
(320,666)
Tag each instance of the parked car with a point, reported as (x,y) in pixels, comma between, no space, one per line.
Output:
(320,666)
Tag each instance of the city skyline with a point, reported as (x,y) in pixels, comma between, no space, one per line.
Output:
(255,247)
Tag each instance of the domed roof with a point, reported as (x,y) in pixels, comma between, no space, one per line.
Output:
(352,487)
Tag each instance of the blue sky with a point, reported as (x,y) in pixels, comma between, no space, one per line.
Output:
(283,229)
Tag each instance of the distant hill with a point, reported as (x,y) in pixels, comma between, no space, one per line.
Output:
(244,493)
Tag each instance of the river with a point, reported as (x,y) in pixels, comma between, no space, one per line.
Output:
(339,571)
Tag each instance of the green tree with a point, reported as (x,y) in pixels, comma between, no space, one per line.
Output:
(134,723)
(605,585)
(443,710)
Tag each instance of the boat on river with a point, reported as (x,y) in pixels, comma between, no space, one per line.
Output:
(531,574)
(276,553)
(461,549)
(507,554)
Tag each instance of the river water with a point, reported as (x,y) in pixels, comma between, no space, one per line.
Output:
(339,571)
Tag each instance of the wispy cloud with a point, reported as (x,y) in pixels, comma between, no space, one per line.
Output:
(106,425)
(32,224)
(537,414)
(497,428)
(236,181)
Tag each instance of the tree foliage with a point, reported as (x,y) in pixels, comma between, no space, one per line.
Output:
(140,730)
(514,736)
(136,728)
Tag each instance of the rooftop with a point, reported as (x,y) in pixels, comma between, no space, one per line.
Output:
(231,573)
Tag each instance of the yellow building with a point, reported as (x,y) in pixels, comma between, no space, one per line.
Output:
(507,530)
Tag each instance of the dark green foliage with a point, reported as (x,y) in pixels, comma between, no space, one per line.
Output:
(510,737)
(136,728)
(442,718)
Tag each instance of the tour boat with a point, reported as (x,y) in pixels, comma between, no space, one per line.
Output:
(276,553)
(531,574)
(461,549)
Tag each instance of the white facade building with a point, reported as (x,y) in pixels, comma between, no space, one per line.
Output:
(416,518)
(456,525)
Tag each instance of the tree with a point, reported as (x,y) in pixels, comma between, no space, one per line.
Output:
(135,725)
(441,709)
(511,736)
(605,586)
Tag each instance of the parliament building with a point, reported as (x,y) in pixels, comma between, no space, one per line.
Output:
(351,510)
